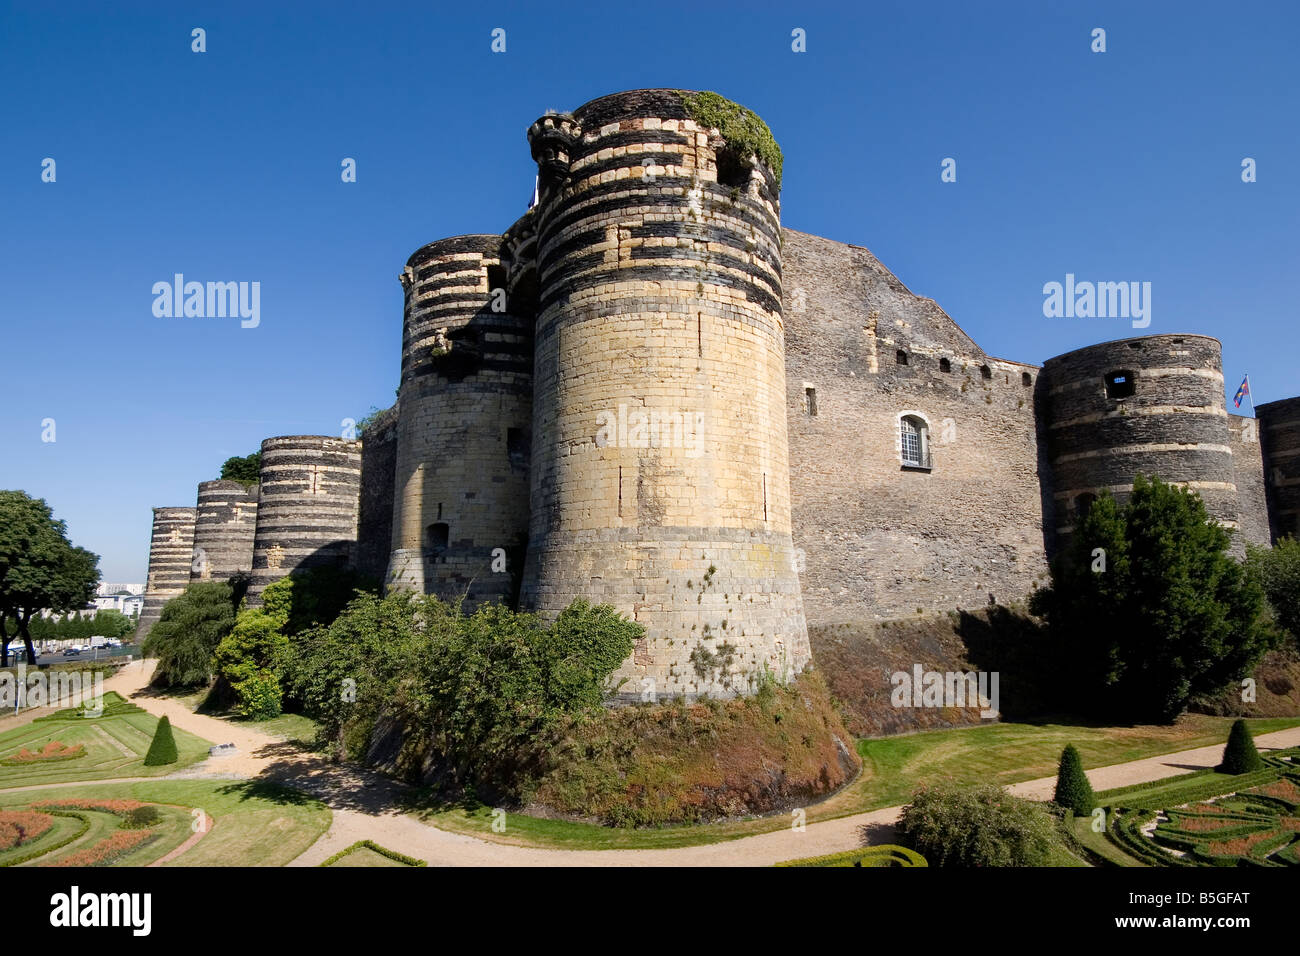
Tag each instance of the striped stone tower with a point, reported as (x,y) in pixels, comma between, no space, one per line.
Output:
(1152,405)
(660,476)
(225,522)
(1280,443)
(307,508)
(171,548)
(460,509)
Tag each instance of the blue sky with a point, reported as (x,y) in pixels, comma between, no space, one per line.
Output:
(1123,165)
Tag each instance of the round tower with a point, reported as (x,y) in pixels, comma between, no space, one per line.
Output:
(171,547)
(660,479)
(307,508)
(460,509)
(224,525)
(1151,405)
(1280,443)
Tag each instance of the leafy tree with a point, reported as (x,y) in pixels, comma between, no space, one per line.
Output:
(162,749)
(191,626)
(1278,571)
(1149,606)
(951,825)
(247,469)
(1072,788)
(1240,755)
(39,568)
(249,660)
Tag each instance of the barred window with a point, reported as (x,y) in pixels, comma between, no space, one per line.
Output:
(915,441)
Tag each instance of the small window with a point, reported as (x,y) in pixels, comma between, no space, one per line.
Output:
(1119,384)
(439,535)
(914,442)
(810,396)
(900,357)
(1135,345)
(733,170)
(986,373)
(945,365)
(518,448)
(496,278)
(1082,505)
(1026,379)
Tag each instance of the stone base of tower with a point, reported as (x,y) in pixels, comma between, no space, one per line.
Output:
(721,607)
(465,577)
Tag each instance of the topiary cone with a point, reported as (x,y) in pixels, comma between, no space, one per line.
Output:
(162,750)
(1240,755)
(1072,788)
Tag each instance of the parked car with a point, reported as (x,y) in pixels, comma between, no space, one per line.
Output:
(71,651)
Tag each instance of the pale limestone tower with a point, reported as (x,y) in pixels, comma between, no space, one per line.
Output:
(660,479)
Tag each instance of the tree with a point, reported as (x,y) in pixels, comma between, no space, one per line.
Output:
(1149,606)
(247,469)
(1240,755)
(1072,788)
(952,825)
(40,569)
(1278,571)
(162,749)
(189,629)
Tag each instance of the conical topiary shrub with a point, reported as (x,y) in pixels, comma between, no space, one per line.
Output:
(162,750)
(1240,756)
(1072,788)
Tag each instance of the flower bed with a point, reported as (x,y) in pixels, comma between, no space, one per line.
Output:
(21,826)
(51,752)
(108,849)
(119,807)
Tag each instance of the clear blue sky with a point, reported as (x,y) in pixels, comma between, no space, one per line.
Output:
(225,166)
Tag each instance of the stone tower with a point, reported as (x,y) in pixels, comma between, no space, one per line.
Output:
(171,549)
(1152,405)
(1279,424)
(307,509)
(460,509)
(660,479)
(224,525)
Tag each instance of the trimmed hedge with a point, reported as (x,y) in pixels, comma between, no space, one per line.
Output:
(1072,788)
(376,848)
(1240,755)
(42,850)
(162,750)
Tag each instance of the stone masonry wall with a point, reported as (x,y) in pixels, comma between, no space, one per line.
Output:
(881,539)
(224,526)
(378,473)
(1280,437)
(1248,476)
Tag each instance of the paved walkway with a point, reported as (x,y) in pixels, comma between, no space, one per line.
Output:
(363,802)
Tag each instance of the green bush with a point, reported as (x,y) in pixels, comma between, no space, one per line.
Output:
(1240,755)
(249,660)
(162,749)
(1072,788)
(951,825)
(1277,570)
(191,626)
(141,817)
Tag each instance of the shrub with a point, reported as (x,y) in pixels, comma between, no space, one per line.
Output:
(1278,571)
(248,660)
(976,826)
(140,818)
(191,626)
(162,749)
(1240,755)
(1072,788)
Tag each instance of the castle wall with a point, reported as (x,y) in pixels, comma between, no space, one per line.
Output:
(224,525)
(1173,424)
(1280,438)
(171,548)
(881,539)
(660,476)
(308,506)
(464,434)
(378,473)
(1248,476)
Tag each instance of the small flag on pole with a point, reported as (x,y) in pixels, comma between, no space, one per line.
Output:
(1242,391)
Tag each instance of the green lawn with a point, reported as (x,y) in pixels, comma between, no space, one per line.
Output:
(115,746)
(893,768)
(251,824)
(292,728)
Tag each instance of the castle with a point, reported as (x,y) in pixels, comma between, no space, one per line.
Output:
(648,393)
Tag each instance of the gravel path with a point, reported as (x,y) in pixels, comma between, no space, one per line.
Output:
(363,802)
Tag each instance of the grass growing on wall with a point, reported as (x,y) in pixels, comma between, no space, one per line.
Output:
(742,128)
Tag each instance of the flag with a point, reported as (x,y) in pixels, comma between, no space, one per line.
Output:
(1242,391)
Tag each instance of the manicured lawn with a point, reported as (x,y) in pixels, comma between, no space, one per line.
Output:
(893,768)
(251,824)
(115,745)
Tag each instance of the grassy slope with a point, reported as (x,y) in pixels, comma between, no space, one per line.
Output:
(893,768)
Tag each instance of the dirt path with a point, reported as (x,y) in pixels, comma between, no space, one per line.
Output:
(363,802)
